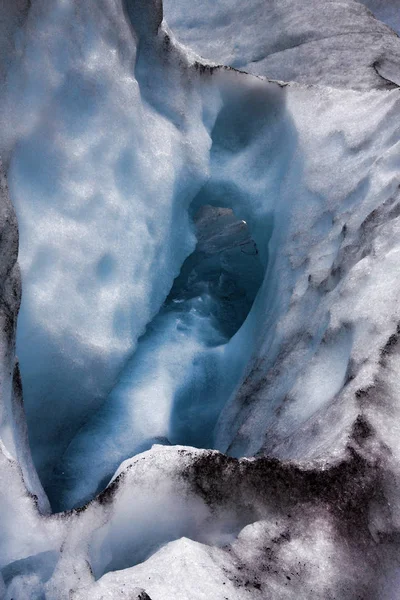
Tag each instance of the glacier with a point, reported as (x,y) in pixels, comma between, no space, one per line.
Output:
(199,307)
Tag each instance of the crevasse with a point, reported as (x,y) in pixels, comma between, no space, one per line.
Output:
(101,244)
(174,386)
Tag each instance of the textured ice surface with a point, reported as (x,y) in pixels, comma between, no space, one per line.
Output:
(96,187)
(335,43)
(13,15)
(114,136)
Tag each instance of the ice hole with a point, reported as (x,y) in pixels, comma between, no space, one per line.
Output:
(212,295)
(175,385)
(224,271)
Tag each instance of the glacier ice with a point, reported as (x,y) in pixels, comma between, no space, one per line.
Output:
(76,330)
(335,43)
(171,390)
(209,263)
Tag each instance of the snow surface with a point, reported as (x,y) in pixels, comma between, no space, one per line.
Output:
(116,138)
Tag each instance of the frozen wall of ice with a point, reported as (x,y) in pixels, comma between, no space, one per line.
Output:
(100,182)
(14,446)
(327,254)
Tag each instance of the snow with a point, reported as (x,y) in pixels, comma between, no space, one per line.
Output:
(142,320)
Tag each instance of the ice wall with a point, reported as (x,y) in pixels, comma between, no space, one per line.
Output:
(14,446)
(100,182)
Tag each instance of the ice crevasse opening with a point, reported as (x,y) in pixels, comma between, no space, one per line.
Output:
(208,258)
(132,330)
(174,386)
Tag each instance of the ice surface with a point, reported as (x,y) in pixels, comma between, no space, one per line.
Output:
(266,539)
(13,431)
(333,43)
(115,136)
(13,15)
(329,236)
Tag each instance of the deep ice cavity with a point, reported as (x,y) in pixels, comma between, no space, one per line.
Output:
(174,387)
(224,267)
